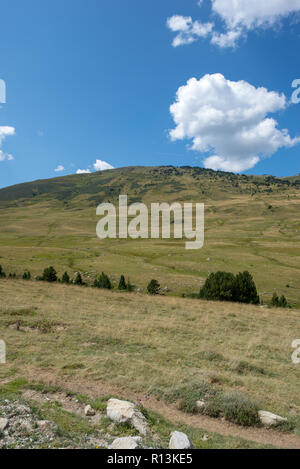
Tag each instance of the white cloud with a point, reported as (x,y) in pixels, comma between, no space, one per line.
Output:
(98,166)
(59,168)
(102,165)
(238,18)
(228,120)
(187,30)
(253,13)
(5,131)
(228,39)
(83,171)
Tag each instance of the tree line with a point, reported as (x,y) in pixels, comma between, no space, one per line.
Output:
(219,286)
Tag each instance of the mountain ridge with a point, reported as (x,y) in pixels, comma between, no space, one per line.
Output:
(145,182)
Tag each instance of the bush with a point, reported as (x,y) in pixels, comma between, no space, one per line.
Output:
(49,275)
(26,275)
(246,291)
(78,279)
(225,286)
(219,286)
(240,410)
(122,284)
(103,281)
(154,287)
(12,275)
(65,278)
(279,302)
(2,274)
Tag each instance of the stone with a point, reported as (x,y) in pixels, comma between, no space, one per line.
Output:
(180,441)
(124,411)
(89,411)
(200,405)
(127,442)
(3,424)
(268,419)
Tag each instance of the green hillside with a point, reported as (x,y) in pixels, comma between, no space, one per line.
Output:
(252,222)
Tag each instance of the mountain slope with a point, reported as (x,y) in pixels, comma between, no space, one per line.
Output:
(251,222)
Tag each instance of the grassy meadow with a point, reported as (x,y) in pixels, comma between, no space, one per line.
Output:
(164,347)
(161,347)
(251,223)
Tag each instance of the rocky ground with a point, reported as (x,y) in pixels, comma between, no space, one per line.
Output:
(121,425)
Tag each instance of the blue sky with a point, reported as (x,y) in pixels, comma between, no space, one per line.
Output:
(94,80)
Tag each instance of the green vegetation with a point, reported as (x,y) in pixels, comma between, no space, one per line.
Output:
(279,302)
(26,275)
(78,279)
(49,275)
(153,287)
(103,281)
(65,278)
(2,273)
(52,222)
(122,284)
(224,286)
(74,430)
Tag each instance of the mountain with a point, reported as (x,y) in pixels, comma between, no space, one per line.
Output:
(143,183)
(251,223)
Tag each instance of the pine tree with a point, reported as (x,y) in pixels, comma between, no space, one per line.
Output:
(219,286)
(245,289)
(78,279)
(275,300)
(49,275)
(26,275)
(103,281)
(122,283)
(283,302)
(153,287)
(65,278)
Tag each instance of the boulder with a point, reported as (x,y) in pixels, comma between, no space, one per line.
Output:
(89,411)
(180,441)
(127,442)
(3,424)
(124,411)
(268,419)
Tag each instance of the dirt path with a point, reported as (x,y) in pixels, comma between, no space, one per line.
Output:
(170,412)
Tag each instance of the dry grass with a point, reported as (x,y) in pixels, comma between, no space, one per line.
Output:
(150,345)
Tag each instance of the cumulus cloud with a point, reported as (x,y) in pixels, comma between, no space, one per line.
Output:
(229,121)
(83,171)
(98,166)
(59,168)
(5,131)
(254,13)
(102,165)
(238,18)
(187,30)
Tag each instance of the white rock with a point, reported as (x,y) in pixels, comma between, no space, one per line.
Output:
(180,441)
(269,419)
(200,404)
(89,411)
(124,411)
(128,442)
(3,424)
